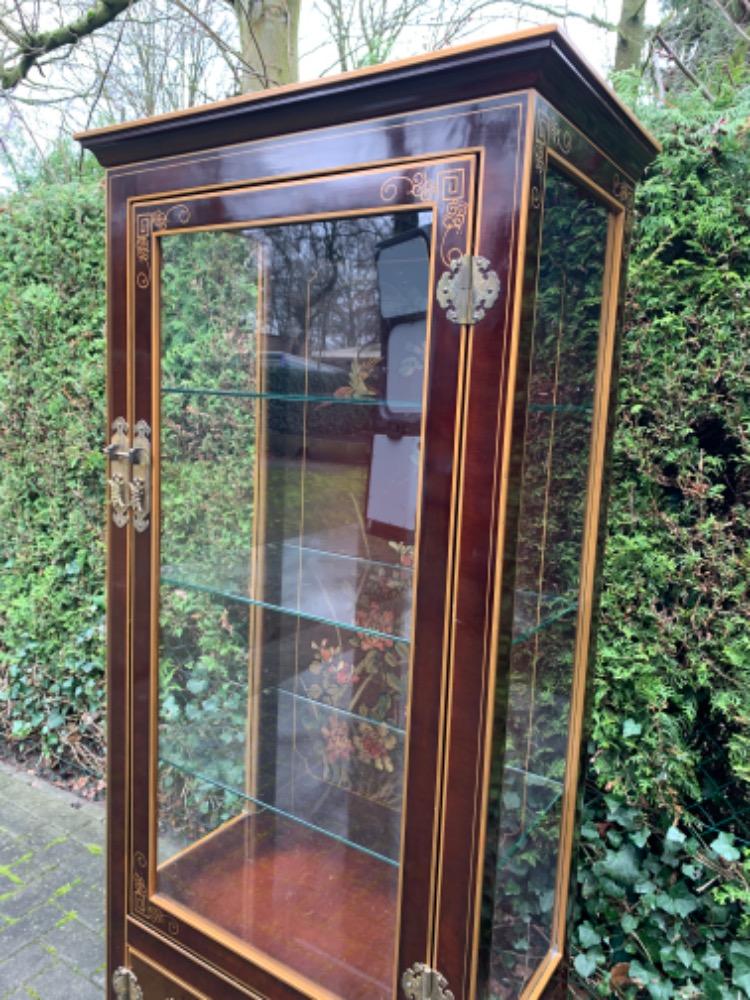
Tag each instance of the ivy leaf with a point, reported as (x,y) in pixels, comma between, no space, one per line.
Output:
(658,988)
(711,958)
(675,835)
(631,728)
(589,831)
(588,936)
(640,837)
(723,845)
(678,902)
(584,964)
(741,976)
(693,872)
(685,955)
(55,720)
(621,866)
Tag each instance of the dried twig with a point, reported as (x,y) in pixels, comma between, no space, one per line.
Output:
(681,65)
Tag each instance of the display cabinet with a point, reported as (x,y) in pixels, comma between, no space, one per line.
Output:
(362,336)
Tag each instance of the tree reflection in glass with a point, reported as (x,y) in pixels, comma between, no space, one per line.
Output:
(291,395)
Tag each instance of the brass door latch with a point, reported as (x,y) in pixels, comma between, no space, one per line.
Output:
(468,289)
(125,985)
(420,982)
(129,477)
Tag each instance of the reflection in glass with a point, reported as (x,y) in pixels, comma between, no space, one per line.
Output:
(289,457)
(527,787)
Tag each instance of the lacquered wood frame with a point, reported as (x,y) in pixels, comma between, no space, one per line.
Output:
(553,139)
(360,193)
(484,101)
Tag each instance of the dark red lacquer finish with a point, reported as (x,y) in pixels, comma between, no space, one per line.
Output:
(303,153)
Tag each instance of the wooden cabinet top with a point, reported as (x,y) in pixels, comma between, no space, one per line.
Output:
(540,59)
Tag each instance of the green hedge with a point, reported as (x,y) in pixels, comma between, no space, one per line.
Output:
(664,895)
(52,426)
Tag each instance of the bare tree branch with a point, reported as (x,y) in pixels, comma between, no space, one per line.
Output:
(725,13)
(681,65)
(557,12)
(223,47)
(102,82)
(34,45)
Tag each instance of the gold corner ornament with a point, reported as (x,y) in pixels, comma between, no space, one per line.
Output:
(420,982)
(468,289)
(125,985)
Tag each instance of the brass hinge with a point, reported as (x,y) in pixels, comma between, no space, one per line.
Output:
(468,289)
(420,982)
(125,985)
(129,478)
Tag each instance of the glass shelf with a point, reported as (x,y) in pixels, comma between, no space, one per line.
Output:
(329,588)
(343,712)
(275,810)
(405,570)
(546,793)
(184,584)
(291,397)
(556,608)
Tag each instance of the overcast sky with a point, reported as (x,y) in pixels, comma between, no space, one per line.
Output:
(596,45)
(318,56)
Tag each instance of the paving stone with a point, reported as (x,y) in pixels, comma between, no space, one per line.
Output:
(88,903)
(72,858)
(10,849)
(21,966)
(34,926)
(64,816)
(14,820)
(93,830)
(78,946)
(59,982)
(32,866)
(25,898)
(98,975)
(52,916)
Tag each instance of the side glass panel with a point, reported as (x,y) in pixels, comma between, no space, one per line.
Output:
(292,370)
(535,686)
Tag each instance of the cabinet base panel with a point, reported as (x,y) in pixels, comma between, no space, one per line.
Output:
(320,907)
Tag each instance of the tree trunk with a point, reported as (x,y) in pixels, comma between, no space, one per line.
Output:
(631,34)
(268,41)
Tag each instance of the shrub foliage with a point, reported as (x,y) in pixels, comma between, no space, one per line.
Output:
(51,504)
(663,890)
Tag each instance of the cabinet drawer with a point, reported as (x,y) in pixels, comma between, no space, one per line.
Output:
(156,984)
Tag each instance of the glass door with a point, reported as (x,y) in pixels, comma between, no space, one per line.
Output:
(299,391)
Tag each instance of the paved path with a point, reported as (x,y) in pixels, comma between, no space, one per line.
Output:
(51,892)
